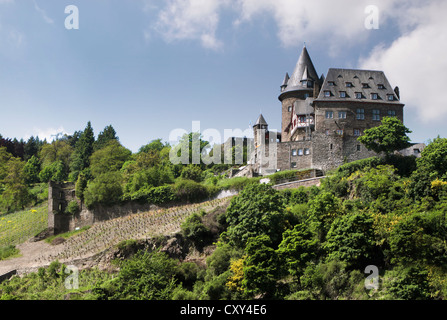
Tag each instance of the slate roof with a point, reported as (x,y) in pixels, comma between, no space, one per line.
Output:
(304,70)
(353,81)
(260,121)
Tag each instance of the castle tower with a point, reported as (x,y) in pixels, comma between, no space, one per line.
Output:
(304,83)
(260,125)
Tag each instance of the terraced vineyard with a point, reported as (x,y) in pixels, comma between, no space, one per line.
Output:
(104,235)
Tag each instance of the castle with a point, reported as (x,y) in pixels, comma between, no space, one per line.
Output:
(322,117)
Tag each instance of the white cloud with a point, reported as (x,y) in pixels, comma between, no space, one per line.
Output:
(190,20)
(47,133)
(416,61)
(43,14)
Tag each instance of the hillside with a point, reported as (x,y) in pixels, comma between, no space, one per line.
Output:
(89,247)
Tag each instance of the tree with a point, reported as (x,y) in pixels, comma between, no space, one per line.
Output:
(258,209)
(147,276)
(58,150)
(104,137)
(351,240)
(390,136)
(261,267)
(298,247)
(83,151)
(110,158)
(16,194)
(32,169)
(105,189)
(31,148)
(154,145)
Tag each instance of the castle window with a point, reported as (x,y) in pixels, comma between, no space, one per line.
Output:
(328,132)
(329,114)
(331,146)
(357,132)
(376,115)
(342,94)
(300,152)
(374,96)
(349,84)
(307,151)
(358,95)
(289,109)
(327,94)
(390,97)
(359,147)
(342,115)
(360,114)
(294,165)
(391,113)
(294,152)
(340,132)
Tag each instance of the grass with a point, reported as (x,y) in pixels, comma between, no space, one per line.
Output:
(18,227)
(67,235)
(9,252)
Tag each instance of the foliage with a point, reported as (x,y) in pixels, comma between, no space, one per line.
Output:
(72,207)
(109,158)
(146,276)
(195,231)
(106,189)
(390,136)
(8,252)
(259,209)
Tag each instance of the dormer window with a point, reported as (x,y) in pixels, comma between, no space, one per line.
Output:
(307,83)
(327,94)
(374,96)
(358,95)
(342,94)
(349,84)
(331,83)
(381,86)
(365,85)
(390,97)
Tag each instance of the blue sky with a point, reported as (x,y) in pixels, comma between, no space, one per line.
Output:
(148,67)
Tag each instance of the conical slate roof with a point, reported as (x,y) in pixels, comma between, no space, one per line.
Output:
(261,121)
(304,70)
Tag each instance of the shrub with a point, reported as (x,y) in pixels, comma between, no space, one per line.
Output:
(190,191)
(194,230)
(72,207)
(105,189)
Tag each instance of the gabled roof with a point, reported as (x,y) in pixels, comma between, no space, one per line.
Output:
(365,82)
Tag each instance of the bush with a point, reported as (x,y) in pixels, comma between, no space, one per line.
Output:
(190,191)
(8,251)
(194,230)
(72,207)
(105,189)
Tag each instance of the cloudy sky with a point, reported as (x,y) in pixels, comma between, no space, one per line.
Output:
(149,66)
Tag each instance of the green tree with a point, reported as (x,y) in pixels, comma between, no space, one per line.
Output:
(154,145)
(298,247)
(104,137)
(105,189)
(83,151)
(16,194)
(81,185)
(58,150)
(351,240)
(390,136)
(261,267)
(258,209)
(147,276)
(32,169)
(110,158)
